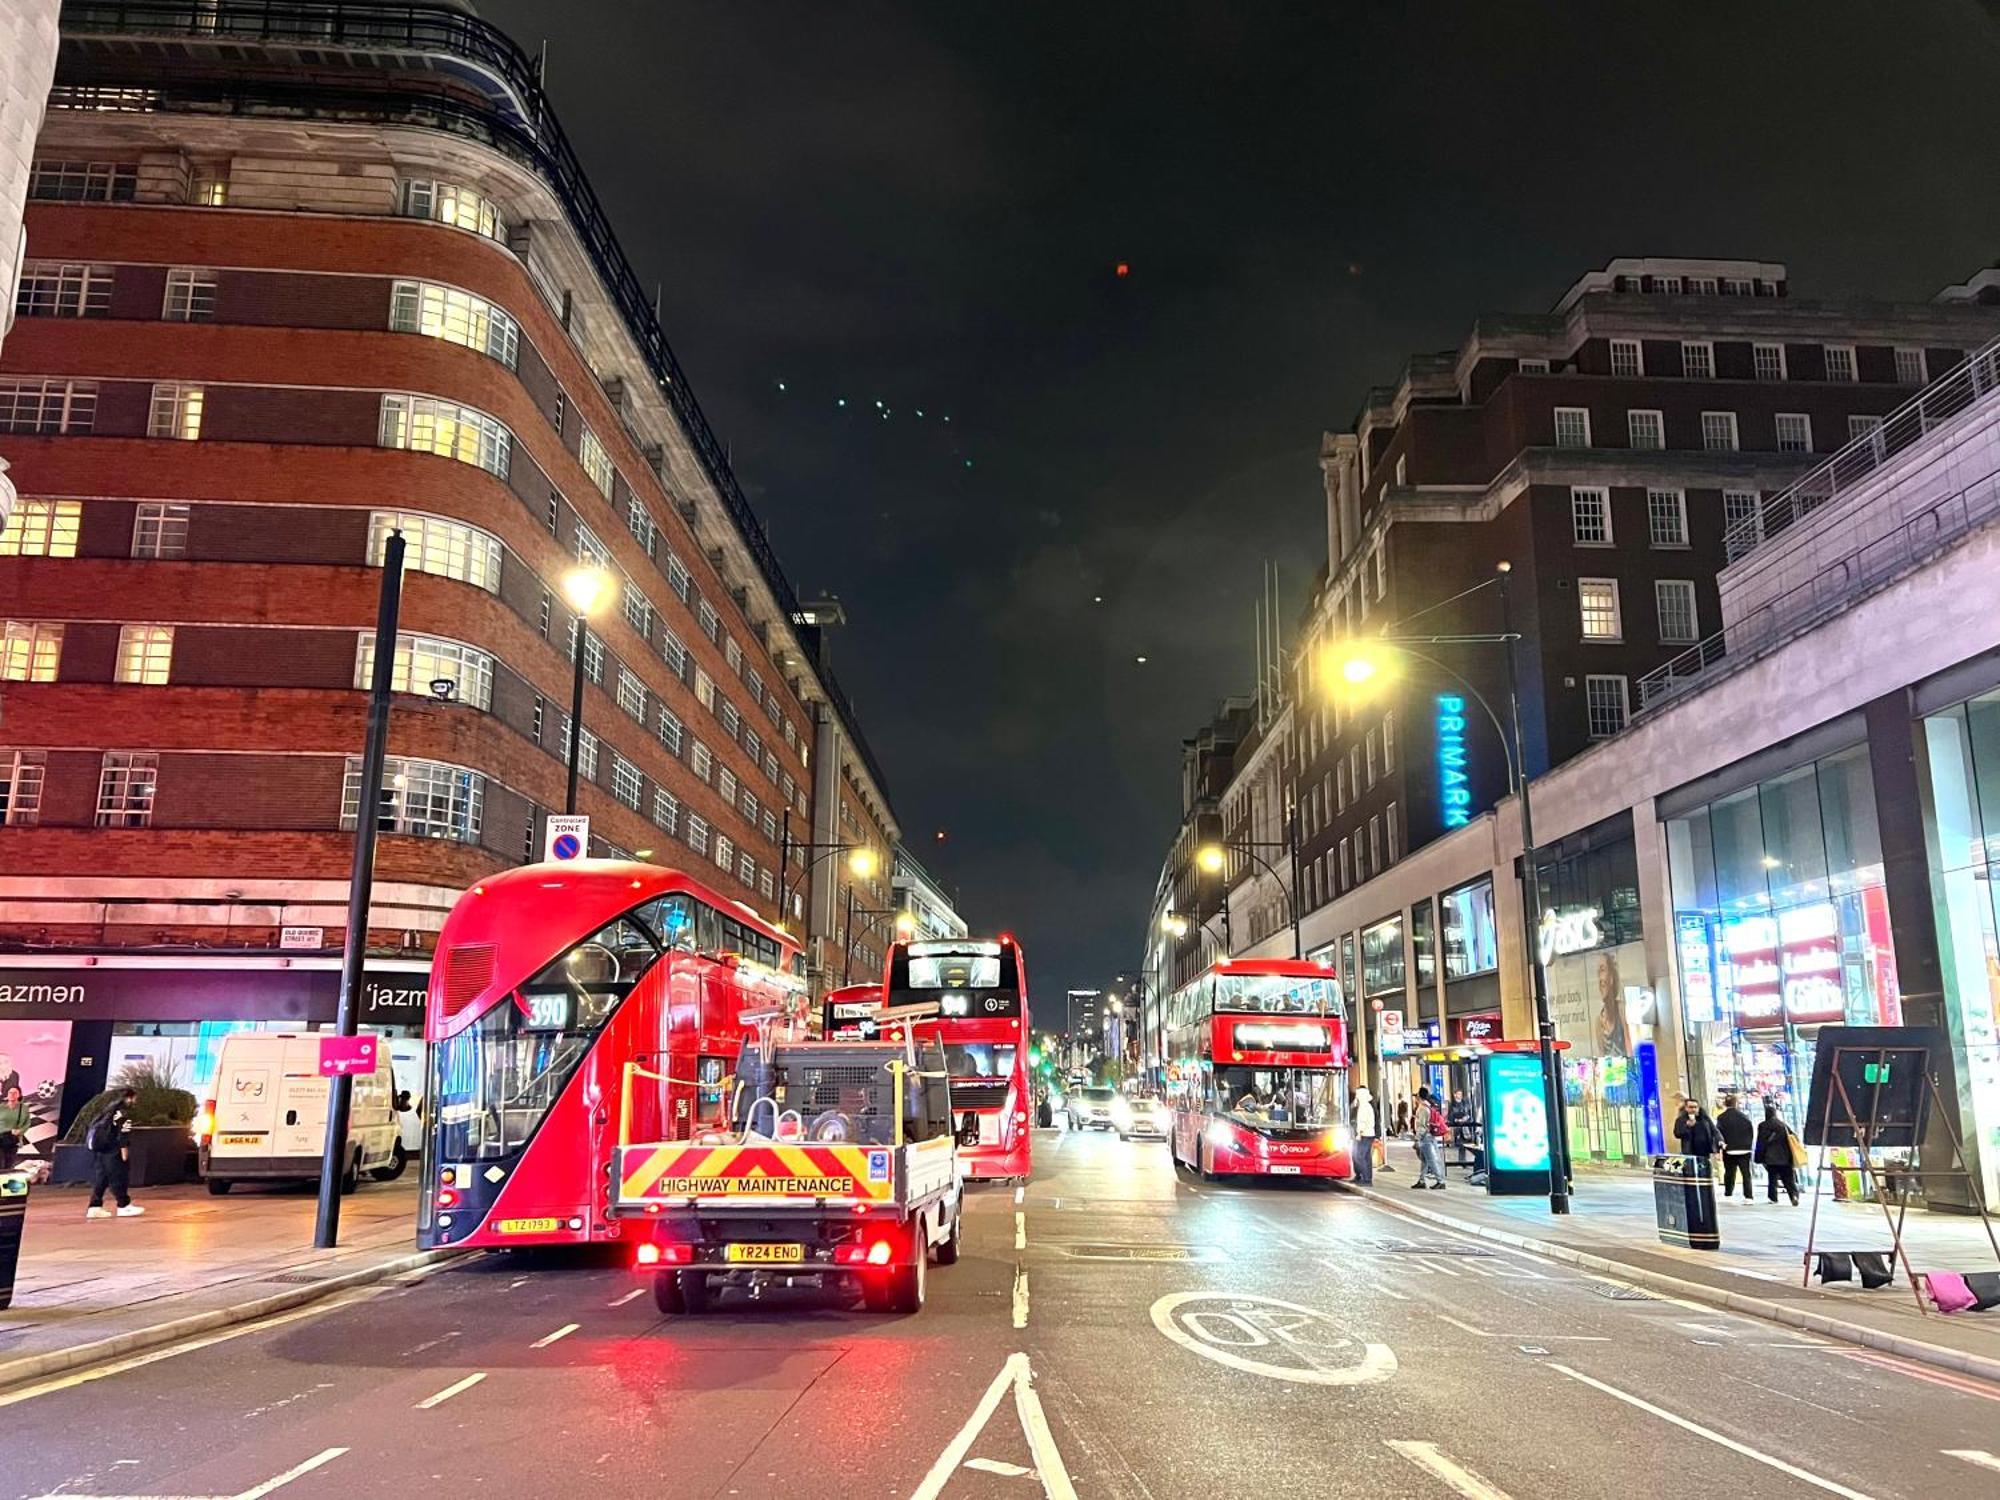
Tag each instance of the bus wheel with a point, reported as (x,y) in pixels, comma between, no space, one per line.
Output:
(667,1293)
(906,1286)
(694,1291)
(1201,1160)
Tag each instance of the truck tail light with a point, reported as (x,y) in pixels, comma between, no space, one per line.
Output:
(875,1253)
(652,1254)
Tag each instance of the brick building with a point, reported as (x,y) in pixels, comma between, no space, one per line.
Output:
(289,292)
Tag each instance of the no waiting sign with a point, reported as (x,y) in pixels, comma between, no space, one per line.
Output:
(567,836)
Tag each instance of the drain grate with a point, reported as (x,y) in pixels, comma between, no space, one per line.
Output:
(1406,1247)
(1135,1252)
(1626,1294)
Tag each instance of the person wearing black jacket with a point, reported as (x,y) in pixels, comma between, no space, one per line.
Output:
(1774,1154)
(1695,1131)
(1739,1136)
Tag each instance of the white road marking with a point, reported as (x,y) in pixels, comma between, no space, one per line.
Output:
(1458,1478)
(994,1466)
(1979,1458)
(1567,1338)
(1377,1363)
(636,1292)
(1020,1298)
(517,1281)
(1377,1286)
(561,1333)
(1020,1196)
(1803,1475)
(1041,1442)
(119,1367)
(1020,1230)
(1429,1263)
(455,1388)
(255,1492)
(1708,1328)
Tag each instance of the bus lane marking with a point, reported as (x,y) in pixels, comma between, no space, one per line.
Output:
(1216,1325)
(561,1333)
(1805,1476)
(457,1387)
(631,1296)
(1456,1477)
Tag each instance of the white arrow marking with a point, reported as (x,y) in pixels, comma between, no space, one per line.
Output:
(255,1492)
(1978,1457)
(1460,1479)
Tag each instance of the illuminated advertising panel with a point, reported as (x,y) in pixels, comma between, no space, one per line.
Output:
(1517,1124)
(1454,787)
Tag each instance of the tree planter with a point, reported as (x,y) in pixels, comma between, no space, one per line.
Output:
(159,1155)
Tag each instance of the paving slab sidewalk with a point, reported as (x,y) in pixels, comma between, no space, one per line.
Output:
(1612,1229)
(93,1289)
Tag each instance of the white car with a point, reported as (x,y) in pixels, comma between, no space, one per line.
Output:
(1139,1119)
(1090,1108)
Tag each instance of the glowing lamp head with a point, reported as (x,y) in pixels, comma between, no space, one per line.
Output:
(906,925)
(1210,857)
(649,1255)
(861,862)
(588,589)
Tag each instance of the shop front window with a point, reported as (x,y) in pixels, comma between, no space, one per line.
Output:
(1962,827)
(1781,927)
(1471,938)
(1382,957)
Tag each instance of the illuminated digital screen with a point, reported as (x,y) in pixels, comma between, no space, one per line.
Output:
(1281,1036)
(1517,1124)
(547,1010)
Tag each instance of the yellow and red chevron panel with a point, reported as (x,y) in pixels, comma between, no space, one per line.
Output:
(677,1170)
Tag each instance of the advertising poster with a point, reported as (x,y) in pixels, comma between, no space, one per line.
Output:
(34,1058)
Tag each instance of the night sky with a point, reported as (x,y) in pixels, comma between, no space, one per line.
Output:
(925,206)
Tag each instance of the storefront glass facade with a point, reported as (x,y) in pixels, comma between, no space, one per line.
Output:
(1962,754)
(1601,995)
(1781,927)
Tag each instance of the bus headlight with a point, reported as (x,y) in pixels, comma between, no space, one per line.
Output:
(1339,1138)
(1220,1135)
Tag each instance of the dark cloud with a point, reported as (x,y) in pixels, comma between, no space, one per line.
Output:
(926,205)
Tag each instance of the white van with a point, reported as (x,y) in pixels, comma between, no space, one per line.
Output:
(267,1117)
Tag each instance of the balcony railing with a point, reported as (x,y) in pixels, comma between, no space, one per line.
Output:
(517,121)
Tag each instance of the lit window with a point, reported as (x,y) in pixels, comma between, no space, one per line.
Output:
(1767,361)
(176,411)
(160,530)
(679,579)
(448,203)
(1389,825)
(704,689)
(667,728)
(1675,598)
(1840,362)
(424,659)
(1646,429)
(1912,367)
(701,760)
(1627,357)
(725,783)
(666,810)
(445,312)
(51,289)
(586,751)
(1572,427)
(84,181)
(29,650)
(145,654)
(437,544)
(1605,704)
(1598,601)
(190,296)
(21,773)
(1718,431)
(424,424)
(596,462)
(1370,738)
(625,781)
(426,798)
(1666,517)
(1794,432)
(42,528)
(1698,359)
(47,406)
(1590,517)
(209,187)
(1388,740)
(126,780)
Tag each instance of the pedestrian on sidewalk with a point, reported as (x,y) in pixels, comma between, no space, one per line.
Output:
(109,1139)
(1696,1133)
(1432,1131)
(1774,1153)
(1739,1139)
(1365,1132)
(15,1118)
(1402,1117)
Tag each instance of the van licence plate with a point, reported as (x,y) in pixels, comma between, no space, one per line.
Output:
(527,1226)
(240,1140)
(784,1254)
(1284,1171)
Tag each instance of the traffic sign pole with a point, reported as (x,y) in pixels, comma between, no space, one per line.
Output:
(360,886)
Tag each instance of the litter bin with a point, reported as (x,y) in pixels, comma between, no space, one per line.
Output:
(1684,1202)
(13,1218)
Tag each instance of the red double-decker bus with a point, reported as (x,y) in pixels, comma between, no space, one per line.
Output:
(1257,1059)
(549,980)
(979,988)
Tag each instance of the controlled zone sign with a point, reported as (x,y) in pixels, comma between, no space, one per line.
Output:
(566,837)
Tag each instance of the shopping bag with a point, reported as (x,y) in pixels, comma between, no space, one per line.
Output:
(1800,1156)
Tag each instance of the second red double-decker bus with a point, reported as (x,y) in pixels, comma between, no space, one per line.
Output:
(549,981)
(1257,1058)
(979,987)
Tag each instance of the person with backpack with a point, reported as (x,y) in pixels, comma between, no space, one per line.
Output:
(1428,1122)
(108,1140)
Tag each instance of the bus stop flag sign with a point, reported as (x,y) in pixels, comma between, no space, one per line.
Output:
(346,1055)
(568,836)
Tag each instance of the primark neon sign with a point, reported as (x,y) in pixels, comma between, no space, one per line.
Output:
(1454,789)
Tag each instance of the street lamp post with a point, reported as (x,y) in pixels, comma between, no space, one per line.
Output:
(906,925)
(1212,857)
(1358,669)
(586,588)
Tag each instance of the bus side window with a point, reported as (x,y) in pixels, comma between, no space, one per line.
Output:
(708,929)
(671,919)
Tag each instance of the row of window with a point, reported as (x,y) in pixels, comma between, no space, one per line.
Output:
(1603,621)
(126,780)
(58,289)
(1628,358)
(1719,430)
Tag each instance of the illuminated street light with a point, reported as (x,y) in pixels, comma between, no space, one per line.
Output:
(906,925)
(861,862)
(587,589)
(1174,925)
(1211,858)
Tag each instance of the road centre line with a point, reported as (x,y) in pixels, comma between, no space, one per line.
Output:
(1020,1298)
(1686,1425)
(455,1388)
(1020,1230)
(636,1292)
(1979,1458)
(1456,1477)
(561,1333)
(188,1346)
